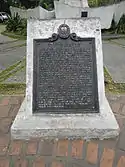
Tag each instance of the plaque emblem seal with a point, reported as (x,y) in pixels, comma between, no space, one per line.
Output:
(64,31)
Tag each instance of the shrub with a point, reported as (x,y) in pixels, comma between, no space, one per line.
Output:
(13,23)
(22,28)
(96,3)
(121,25)
(113,24)
(17,25)
(47,4)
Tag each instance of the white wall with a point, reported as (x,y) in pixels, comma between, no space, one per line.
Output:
(33,13)
(67,12)
(44,14)
(119,11)
(105,13)
(76,3)
(21,12)
(38,12)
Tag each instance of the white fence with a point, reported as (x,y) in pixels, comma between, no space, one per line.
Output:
(21,12)
(38,12)
(106,13)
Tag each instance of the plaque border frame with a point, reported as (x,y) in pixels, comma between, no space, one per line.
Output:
(54,110)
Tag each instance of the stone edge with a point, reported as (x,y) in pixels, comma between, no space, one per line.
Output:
(51,126)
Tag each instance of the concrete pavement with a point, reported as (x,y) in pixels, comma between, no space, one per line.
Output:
(114,59)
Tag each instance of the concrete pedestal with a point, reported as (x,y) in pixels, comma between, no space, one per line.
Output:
(51,126)
(97,125)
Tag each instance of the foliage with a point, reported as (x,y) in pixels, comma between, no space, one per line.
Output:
(10,2)
(13,23)
(28,3)
(17,25)
(96,3)
(113,25)
(121,25)
(4,6)
(47,4)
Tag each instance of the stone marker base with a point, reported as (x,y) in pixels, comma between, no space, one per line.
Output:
(87,126)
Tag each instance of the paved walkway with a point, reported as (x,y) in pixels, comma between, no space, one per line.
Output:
(62,153)
(11,50)
(114,59)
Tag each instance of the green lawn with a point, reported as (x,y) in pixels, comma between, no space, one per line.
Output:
(110,86)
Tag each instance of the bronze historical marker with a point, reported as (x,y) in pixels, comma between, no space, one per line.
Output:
(65,74)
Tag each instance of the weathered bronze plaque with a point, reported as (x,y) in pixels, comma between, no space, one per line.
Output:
(65,75)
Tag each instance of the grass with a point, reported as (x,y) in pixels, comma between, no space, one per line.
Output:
(10,71)
(12,88)
(111,86)
(6,71)
(13,35)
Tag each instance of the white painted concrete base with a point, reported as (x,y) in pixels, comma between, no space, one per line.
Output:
(87,126)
